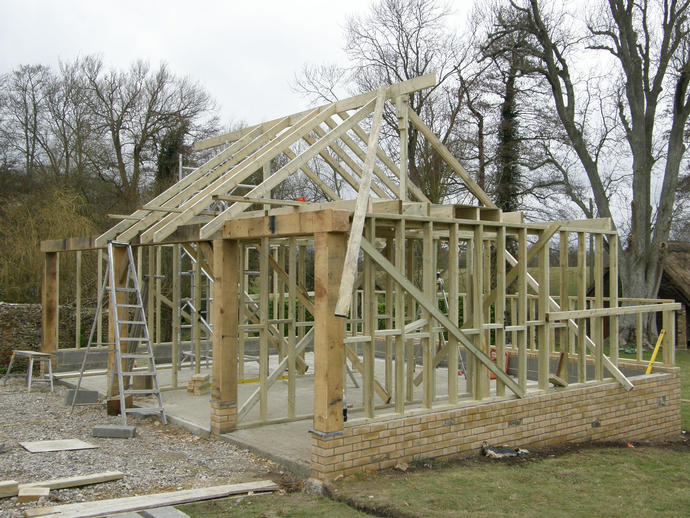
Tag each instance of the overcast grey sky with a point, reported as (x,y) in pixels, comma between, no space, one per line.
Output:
(244,53)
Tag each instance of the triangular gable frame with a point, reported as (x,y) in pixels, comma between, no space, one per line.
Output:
(249,149)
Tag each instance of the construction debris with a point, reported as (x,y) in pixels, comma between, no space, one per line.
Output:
(8,488)
(59,445)
(501,452)
(32,494)
(12,488)
(136,503)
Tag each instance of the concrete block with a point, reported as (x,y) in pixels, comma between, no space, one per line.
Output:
(163,512)
(84,397)
(31,494)
(114,431)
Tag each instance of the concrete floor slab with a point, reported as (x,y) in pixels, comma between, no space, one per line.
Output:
(287,443)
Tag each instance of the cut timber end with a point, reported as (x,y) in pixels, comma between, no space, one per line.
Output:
(32,494)
(8,488)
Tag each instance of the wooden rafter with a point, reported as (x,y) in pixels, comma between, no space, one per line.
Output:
(289,168)
(342,307)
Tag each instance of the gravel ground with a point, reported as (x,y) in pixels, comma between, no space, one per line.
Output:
(160,458)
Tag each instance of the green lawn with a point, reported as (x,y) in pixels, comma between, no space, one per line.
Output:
(579,481)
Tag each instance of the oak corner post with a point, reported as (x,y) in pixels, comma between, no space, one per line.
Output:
(49,301)
(329,352)
(225,316)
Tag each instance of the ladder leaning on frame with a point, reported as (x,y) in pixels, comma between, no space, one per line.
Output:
(130,332)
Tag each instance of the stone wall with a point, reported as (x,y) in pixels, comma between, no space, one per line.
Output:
(597,412)
(20,328)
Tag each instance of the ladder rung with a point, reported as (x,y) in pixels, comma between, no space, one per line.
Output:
(128,339)
(134,355)
(140,392)
(138,373)
(132,322)
(125,290)
(128,306)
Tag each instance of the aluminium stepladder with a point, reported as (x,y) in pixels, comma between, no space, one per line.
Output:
(132,342)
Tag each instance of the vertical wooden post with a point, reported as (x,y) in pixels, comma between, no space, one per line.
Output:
(453,264)
(292,330)
(544,335)
(150,294)
(77,304)
(669,343)
(582,304)
(159,289)
(639,332)
(369,315)
(412,312)
(521,290)
(682,335)
(500,306)
(244,288)
(225,315)
(329,352)
(196,301)
(468,309)
(281,292)
(532,312)
(119,266)
(302,280)
(402,105)
(613,297)
(429,283)
(480,375)
(57,300)
(99,316)
(564,301)
(175,338)
(400,319)
(513,321)
(263,320)
(388,300)
(49,301)
(599,303)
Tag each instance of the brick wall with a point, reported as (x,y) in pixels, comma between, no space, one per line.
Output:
(600,412)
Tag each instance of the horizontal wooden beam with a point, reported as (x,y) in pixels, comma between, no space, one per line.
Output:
(69,244)
(555,316)
(265,201)
(298,224)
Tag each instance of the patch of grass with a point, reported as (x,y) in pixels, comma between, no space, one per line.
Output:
(269,506)
(590,482)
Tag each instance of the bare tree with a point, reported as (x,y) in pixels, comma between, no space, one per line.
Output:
(136,108)
(23,103)
(647,45)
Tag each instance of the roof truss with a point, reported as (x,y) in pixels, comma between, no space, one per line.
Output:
(208,196)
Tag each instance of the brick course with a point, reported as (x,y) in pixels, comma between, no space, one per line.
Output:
(601,412)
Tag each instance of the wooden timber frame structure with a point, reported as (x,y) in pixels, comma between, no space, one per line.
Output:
(374,305)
